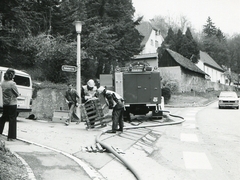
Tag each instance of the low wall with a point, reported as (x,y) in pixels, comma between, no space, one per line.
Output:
(46,102)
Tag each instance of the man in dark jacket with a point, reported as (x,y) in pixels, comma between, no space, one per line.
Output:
(72,98)
(115,102)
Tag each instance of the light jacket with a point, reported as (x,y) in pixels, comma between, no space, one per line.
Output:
(114,99)
(10,92)
(88,94)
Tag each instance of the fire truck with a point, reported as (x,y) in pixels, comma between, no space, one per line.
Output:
(140,87)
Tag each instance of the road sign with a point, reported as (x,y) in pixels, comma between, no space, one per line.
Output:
(69,68)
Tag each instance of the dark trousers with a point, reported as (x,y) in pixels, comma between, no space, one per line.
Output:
(9,114)
(117,118)
(72,112)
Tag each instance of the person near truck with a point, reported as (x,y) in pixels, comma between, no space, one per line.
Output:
(88,93)
(9,94)
(115,102)
(72,99)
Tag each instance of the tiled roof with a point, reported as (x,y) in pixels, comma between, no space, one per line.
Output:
(146,56)
(184,62)
(145,29)
(209,61)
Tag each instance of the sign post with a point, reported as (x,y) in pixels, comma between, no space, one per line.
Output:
(68,68)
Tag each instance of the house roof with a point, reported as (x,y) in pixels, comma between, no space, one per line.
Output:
(209,61)
(146,56)
(145,29)
(184,62)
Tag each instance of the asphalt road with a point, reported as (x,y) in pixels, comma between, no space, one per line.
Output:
(204,147)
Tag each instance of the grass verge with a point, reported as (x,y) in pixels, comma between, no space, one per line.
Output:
(11,167)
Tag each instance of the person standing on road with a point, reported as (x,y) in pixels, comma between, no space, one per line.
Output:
(9,94)
(115,102)
(88,91)
(72,98)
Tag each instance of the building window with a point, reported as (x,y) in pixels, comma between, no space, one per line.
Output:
(151,42)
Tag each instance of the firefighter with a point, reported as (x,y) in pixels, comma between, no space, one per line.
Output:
(115,102)
(88,91)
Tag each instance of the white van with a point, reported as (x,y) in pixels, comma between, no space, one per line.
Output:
(24,85)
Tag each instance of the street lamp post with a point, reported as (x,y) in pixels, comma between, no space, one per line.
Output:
(78,25)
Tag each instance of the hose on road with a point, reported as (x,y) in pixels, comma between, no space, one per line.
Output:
(121,158)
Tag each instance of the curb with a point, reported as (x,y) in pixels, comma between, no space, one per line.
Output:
(30,173)
(90,171)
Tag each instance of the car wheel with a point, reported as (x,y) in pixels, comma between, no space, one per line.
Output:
(219,107)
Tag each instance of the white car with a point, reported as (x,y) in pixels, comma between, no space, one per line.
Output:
(228,99)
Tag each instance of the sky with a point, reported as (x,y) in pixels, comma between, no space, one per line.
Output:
(225,14)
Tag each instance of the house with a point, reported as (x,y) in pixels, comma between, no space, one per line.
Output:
(176,69)
(181,72)
(152,37)
(210,67)
(152,40)
(150,59)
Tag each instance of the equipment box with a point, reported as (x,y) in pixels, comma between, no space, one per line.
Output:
(141,88)
(60,116)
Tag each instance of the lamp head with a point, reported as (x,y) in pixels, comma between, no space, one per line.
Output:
(78,26)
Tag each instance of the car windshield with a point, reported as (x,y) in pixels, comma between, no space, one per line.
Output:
(228,94)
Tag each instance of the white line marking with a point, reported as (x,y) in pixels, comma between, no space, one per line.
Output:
(196,160)
(189,118)
(189,137)
(191,114)
(189,126)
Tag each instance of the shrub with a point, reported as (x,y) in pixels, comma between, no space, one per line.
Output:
(166,93)
(173,86)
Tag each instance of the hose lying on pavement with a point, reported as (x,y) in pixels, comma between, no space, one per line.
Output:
(159,124)
(121,158)
(110,149)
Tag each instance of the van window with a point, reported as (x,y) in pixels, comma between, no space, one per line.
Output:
(22,81)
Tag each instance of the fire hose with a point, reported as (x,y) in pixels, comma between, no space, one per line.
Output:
(121,158)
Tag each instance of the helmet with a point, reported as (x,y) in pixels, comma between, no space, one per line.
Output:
(100,89)
(91,83)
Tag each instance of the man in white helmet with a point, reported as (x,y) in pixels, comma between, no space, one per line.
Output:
(88,91)
(115,102)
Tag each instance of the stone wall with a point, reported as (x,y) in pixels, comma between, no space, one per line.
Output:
(46,102)
(184,82)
